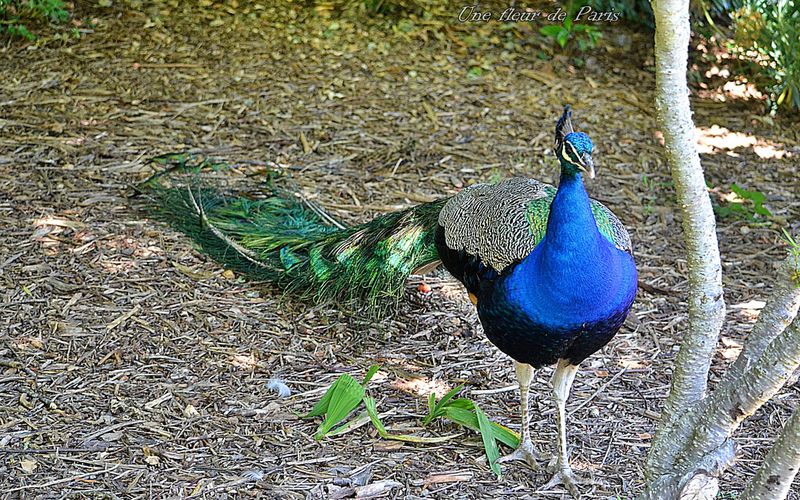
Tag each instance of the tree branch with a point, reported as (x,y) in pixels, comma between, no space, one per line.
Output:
(775,476)
(702,441)
(706,303)
(726,410)
(780,310)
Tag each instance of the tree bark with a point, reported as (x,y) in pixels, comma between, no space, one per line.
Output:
(775,476)
(693,444)
(706,303)
(779,311)
(727,409)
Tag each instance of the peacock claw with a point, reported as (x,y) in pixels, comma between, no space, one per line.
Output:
(525,452)
(564,476)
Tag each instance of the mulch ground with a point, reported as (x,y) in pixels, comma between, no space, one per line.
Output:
(134,367)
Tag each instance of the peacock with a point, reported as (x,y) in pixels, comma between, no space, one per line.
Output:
(550,271)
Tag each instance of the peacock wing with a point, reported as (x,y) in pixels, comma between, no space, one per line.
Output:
(500,224)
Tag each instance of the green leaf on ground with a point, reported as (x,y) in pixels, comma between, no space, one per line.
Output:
(489,441)
(466,413)
(372,411)
(341,398)
(345,395)
(436,410)
(350,425)
(468,419)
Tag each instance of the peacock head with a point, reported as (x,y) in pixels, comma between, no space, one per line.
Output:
(573,149)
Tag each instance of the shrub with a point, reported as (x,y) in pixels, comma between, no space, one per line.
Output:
(768,32)
(389,8)
(705,13)
(585,35)
(712,12)
(15,14)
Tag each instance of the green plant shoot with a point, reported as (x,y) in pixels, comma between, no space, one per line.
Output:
(747,204)
(372,411)
(341,398)
(489,441)
(466,413)
(585,35)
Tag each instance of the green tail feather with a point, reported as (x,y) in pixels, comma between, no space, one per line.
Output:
(286,241)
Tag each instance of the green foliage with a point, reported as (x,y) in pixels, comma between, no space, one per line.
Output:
(475,72)
(766,36)
(436,409)
(345,394)
(53,9)
(16,14)
(372,412)
(705,13)
(584,35)
(746,204)
(712,11)
(770,31)
(468,414)
(641,12)
(386,7)
(389,8)
(653,189)
(489,441)
(341,398)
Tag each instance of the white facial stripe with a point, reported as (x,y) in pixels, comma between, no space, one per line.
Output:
(569,157)
(573,150)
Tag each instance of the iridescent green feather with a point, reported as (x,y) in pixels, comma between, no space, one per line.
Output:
(538,212)
(603,222)
(283,240)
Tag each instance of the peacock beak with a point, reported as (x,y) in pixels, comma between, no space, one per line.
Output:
(588,165)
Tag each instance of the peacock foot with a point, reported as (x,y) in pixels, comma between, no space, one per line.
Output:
(564,476)
(525,452)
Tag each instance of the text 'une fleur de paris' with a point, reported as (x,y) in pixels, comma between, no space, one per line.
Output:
(473,14)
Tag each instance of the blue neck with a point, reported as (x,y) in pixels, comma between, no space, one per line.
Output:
(571,228)
(571,273)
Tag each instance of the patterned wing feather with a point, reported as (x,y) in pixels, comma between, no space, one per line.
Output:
(484,220)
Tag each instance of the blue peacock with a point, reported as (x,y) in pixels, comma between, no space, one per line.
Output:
(550,271)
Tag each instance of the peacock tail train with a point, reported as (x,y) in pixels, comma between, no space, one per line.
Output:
(288,241)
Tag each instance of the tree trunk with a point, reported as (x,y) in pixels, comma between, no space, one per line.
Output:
(706,304)
(700,440)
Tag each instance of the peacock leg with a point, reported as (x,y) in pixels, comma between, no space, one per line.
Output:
(562,382)
(525,451)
